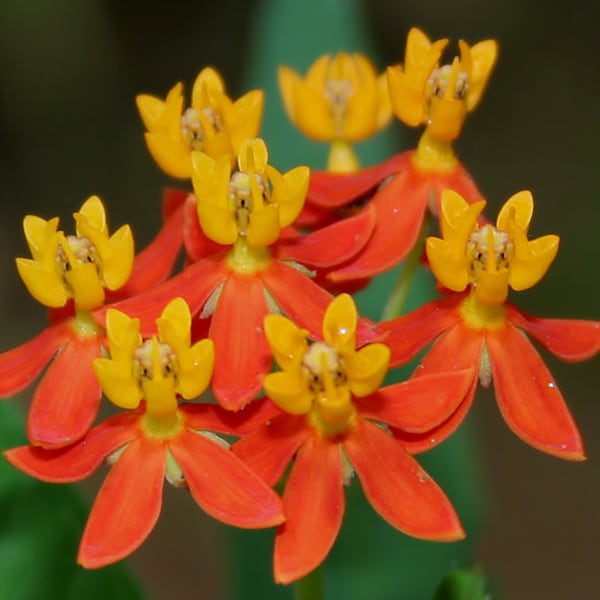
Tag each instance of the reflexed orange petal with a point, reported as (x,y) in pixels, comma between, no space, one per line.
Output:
(420,403)
(212,417)
(127,506)
(528,396)
(407,498)
(333,190)
(242,354)
(410,333)
(571,340)
(21,365)
(223,485)
(269,450)
(457,349)
(331,245)
(76,462)
(400,206)
(314,507)
(194,285)
(155,262)
(458,180)
(67,399)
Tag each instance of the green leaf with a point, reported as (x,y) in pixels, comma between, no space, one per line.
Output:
(40,528)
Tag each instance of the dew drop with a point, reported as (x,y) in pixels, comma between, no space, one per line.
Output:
(551,385)
(432,441)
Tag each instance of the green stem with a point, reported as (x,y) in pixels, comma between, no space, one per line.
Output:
(310,587)
(397,299)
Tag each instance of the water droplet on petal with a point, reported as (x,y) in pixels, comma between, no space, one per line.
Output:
(551,385)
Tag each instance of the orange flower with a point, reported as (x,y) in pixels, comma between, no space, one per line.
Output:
(159,439)
(334,423)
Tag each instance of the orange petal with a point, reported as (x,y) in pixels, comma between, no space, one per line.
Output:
(329,246)
(333,190)
(314,507)
(155,262)
(407,498)
(269,450)
(459,348)
(410,333)
(528,396)
(400,206)
(212,417)
(76,462)
(127,506)
(21,365)
(67,399)
(242,354)
(420,403)
(223,485)
(194,285)
(571,340)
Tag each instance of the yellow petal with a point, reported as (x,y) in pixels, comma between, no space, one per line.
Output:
(195,369)
(384,105)
(44,285)
(313,114)
(408,103)
(483,58)
(217,223)
(253,156)
(174,325)
(151,109)
(446,118)
(289,391)
(339,324)
(289,192)
(172,156)
(360,120)
(492,287)
(288,80)
(121,389)
(518,208)
(529,266)
(124,337)
(41,237)
(287,341)
(94,214)
(117,258)
(263,229)
(366,368)
(84,282)
(244,117)
(210,179)
(207,84)
(450,270)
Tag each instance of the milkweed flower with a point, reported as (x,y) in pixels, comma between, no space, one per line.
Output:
(334,422)
(341,100)
(160,438)
(476,327)
(75,275)
(246,262)
(213,124)
(402,188)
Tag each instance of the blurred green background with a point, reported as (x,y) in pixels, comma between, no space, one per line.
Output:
(69,72)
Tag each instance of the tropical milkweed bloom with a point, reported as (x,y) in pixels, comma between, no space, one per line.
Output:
(334,421)
(247,262)
(213,124)
(160,438)
(476,327)
(341,100)
(74,275)
(422,92)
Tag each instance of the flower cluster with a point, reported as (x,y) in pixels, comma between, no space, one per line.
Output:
(245,370)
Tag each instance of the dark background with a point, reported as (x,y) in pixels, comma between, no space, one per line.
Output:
(69,72)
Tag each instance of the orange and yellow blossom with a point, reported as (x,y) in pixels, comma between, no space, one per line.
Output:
(161,438)
(213,124)
(476,327)
(334,422)
(341,100)
(403,188)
